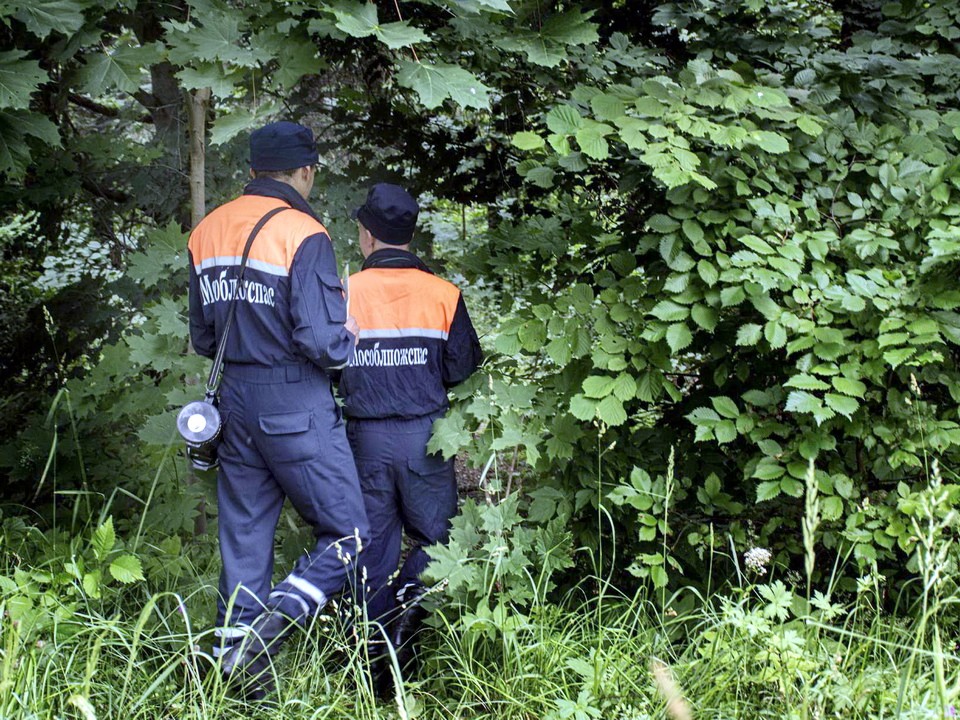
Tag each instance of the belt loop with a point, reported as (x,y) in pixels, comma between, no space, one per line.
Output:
(293,373)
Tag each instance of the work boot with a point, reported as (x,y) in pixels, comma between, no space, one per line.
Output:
(246,665)
(379,665)
(406,627)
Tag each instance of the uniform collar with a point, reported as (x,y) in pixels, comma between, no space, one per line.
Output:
(269,187)
(394,258)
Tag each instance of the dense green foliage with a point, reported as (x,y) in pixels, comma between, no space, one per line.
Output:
(748,259)
(712,248)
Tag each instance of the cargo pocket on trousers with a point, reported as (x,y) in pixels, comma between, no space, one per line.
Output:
(289,437)
(333,298)
(434,481)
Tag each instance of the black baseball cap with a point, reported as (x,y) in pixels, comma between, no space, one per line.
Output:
(390,214)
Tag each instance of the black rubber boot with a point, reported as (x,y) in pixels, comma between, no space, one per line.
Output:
(406,628)
(246,666)
(379,665)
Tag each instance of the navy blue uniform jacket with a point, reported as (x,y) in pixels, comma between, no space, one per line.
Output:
(416,339)
(291,307)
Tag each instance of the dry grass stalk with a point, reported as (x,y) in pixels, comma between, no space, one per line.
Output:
(677,707)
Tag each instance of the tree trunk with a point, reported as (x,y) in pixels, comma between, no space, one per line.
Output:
(199,103)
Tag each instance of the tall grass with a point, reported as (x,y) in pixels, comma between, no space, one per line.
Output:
(755,651)
(755,647)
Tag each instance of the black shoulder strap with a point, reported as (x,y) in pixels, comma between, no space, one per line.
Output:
(213,382)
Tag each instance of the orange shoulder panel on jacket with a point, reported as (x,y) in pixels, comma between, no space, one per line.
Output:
(402,299)
(220,237)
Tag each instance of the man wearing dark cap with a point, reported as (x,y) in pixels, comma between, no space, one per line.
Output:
(283,435)
(416,341)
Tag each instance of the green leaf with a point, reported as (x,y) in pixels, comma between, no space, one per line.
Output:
(126,569)
(526,140)
(831,508)
(104,538)
(625,387)
(791,486)
(121,68)
(220,39)
(598,386)
(768,490)
(294,61)
(559,351)
(19,79)
(806,382)
(658,576)
(498,5)
(693,230)
(705,317)
(211,75)
(582,408)
(803,402)
(732,296)
(669,311)
(547,45)
(775,334)
(564,120)
(725,406)
(725,432)
(662,223)
(449,435)
(611,411)
(679,336)
(591,138)
(844,405)
(435,83)
(650,107)
(91,584)
(771,142)
(541,176)
(227,127)
(896,358)
(849,386)
(708,273)
(810,126)
(633,132)
(396,35)
(159,429)
(356,20)
(749,334)
(43,17)
(15,127)
(769,471)
(608,107)
(729,135)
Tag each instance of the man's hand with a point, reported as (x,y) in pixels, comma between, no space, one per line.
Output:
(353,328)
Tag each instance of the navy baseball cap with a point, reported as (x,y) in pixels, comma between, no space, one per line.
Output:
(390,214)
(282,146)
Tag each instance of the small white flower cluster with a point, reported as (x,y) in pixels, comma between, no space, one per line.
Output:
(757,559)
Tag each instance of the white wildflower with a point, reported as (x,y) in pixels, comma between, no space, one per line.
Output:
(757,559)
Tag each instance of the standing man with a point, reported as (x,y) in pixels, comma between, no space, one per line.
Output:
(283,435)
(416,341)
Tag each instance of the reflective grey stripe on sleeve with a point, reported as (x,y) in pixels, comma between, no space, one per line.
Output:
(231,633)
(308,589)
(277,594)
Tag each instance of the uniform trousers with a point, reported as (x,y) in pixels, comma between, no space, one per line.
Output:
(404,490)
(283,437)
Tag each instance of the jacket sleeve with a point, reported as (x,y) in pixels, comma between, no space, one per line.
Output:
(202,336)
(461,353)
(317,305)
